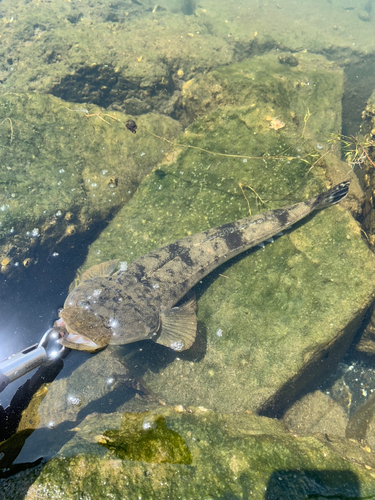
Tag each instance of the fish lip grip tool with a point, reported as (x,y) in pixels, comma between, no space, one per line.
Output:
(46,352)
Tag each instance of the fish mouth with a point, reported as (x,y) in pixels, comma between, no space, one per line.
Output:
(68,338)
(79,339)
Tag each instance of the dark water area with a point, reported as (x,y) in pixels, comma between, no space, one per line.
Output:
(28,312)
(30,306)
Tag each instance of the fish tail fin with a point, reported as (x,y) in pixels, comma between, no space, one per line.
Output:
(332,196)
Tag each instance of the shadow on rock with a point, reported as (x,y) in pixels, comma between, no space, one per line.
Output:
(297,484)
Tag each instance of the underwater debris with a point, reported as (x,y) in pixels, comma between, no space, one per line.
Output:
(132,126)
(288,59)
(276,124)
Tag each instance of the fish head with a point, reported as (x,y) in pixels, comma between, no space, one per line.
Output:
(95,315)
(84,330)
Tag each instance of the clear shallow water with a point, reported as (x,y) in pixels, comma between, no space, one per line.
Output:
(30,306)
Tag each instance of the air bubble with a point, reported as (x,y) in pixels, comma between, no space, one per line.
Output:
(74,400)
(149,423)
(112,323)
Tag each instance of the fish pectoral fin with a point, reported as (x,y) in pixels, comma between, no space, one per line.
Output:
(179,326)
(103,269)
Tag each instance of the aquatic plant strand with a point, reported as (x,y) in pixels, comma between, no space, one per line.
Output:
(251,189)
(231,155)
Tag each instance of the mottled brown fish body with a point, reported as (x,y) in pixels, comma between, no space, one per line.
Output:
(138,303)
(179,266)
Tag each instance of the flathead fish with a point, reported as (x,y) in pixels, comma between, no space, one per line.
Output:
(120,307)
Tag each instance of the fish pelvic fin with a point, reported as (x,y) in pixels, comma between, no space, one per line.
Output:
(332,196)
(179,326)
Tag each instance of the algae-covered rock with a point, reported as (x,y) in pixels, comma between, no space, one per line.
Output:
(64,169)
(268,320)
(137,54)
(230,456)
(122,54)
(144,437)
(316,413)
(306,98)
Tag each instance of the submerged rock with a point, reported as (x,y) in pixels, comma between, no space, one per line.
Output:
(275,319)
(129,53)
(270,322)
(307,97)
(316,413)
(219,456)
(65,169)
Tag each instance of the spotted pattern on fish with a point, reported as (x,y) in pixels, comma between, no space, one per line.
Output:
(139,302)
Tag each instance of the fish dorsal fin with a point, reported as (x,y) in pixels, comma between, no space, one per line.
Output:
(74,284)
(179,326)
(102,269)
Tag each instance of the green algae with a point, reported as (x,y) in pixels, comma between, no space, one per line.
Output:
(145,438)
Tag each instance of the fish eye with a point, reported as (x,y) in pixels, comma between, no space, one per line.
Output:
(83,304)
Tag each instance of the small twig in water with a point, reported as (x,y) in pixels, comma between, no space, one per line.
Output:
(265,157)
(103,114)
(305,119)
(364,150)
(317,161)
(364,232)
(85,111)
(253,190)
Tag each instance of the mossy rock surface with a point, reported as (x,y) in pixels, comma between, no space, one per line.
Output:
(64,169)
(307,97)
(144,437)
(109,54)
(267,319)
(230,456)
(137,55)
